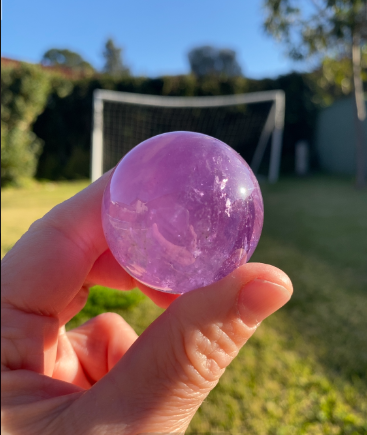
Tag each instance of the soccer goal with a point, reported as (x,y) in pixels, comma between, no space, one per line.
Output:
(250,123)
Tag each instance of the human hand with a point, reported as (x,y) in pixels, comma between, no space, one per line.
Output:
(100,377)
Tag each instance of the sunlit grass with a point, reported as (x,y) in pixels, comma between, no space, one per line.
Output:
(20,207)
(305,369)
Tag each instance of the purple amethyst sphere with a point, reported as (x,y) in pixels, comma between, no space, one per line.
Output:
(181,211)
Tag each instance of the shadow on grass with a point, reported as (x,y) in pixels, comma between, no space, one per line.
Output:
(315,230)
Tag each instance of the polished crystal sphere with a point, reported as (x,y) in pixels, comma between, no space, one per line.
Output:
(181,211)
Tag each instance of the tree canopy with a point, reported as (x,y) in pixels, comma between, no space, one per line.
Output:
(334,28)
(208,60)
(66,58)
(334,77)
(113,59)
(316,26)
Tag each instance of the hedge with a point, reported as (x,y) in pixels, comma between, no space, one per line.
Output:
(45,111)
(24,93)
(65,125)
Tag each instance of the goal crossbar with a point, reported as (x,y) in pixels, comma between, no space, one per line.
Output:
(273,126)
(165,101)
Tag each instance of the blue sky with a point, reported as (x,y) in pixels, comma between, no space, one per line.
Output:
(156,34)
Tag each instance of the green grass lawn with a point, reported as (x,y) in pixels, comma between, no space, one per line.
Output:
(305,369)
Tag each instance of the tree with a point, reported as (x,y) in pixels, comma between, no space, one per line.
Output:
(66,58)
(334,78)
(113,59)
(24,92)
(334,28)
(207,60)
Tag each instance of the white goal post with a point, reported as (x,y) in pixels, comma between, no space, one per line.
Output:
(271,128)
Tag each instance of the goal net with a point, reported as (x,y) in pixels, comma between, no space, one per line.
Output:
(251,123)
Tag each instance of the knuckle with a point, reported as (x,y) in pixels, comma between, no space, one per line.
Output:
(203,352)
(108,319)
(210,349)
(197,354)
(36,225)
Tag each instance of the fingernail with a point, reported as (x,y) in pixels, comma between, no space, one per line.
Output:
(258,299)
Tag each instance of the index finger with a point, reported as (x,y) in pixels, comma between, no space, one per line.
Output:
(48,266)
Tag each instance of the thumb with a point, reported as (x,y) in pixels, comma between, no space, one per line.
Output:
(167,373)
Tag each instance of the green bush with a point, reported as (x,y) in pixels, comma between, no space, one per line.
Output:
(24,92)
(44,111)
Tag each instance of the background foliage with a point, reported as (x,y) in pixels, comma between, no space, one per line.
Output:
(208,60)
(47,117)
(65,125)
(24,92)
(113,60)
(65,58)
(334,78)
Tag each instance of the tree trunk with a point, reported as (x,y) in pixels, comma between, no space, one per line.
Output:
(360,114)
